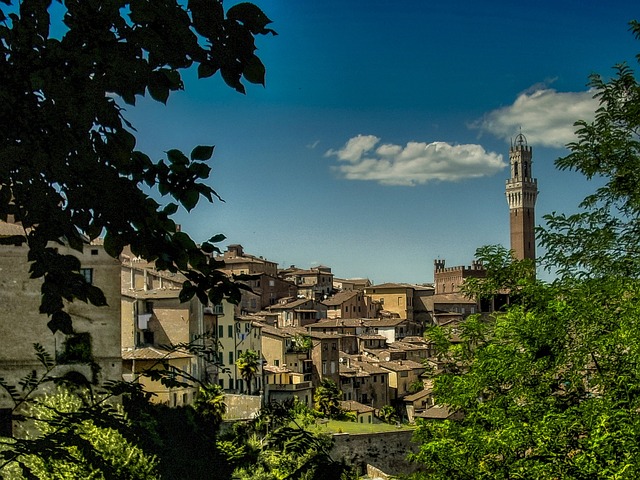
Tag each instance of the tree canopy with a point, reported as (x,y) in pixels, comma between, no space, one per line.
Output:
(69,168)
(548,388)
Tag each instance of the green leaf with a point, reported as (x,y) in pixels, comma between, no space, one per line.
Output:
(170,209)
(189,198)
(202,152)
(206,70)
(250,15)
(254,71)
(176,157)
(158,92)
(113,245)
(60,322)
(96,296)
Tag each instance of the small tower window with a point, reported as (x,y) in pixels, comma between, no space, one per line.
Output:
(515,169)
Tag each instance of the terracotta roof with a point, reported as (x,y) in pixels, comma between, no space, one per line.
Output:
(340,297)
(385,322)
(9,229)
(338,322)
(290,305)
(151,294)
(370,368)
(391,285)
(449,298)
(152,353)
(353,406)
(401,365)
(372,337)
(436,412)
(274,369)
(418,395)
(276,332)
(402,345)
(320,335)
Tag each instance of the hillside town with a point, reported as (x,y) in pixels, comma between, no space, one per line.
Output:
(305,324)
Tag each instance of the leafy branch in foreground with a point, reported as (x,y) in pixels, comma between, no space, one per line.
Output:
(72,432)
(70,168)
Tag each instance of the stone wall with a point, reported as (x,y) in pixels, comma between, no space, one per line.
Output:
(242,407)
(385,451)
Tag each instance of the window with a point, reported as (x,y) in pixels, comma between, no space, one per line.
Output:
(148,307)
(148,337)
(230,331)
(382,379)
(6,428)
(220,331)
(231,359)
(333,367)
(94,251)
(404,374)
(276,363)
(87,273)
(77,349)
(324,367)
(361,420)
(221,383)
(334,346)
(239,353)
(375,378)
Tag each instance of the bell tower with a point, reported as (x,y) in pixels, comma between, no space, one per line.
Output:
(522,192)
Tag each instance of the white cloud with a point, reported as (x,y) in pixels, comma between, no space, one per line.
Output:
(355,148)
(415,163)
(546,116)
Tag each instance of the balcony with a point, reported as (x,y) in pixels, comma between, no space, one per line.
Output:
(289,387)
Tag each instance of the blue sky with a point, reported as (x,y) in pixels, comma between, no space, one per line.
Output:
(380,142)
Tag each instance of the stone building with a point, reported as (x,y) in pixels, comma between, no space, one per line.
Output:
(152,320)
(236,262)
(394,297)
(93,350)
(522,192)
(315,283)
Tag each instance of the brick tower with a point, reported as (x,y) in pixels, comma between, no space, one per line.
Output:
(521,192)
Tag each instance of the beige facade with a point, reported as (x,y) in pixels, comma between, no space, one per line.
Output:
(282,384)
(154,321)
(349,304)
(325,354)
(315,283)
(236,262)
(271,289)
(364,382)
(21,324)
(363,413)
(139,360)
(402,374)
(394,297)
(236,334)
(298,312)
